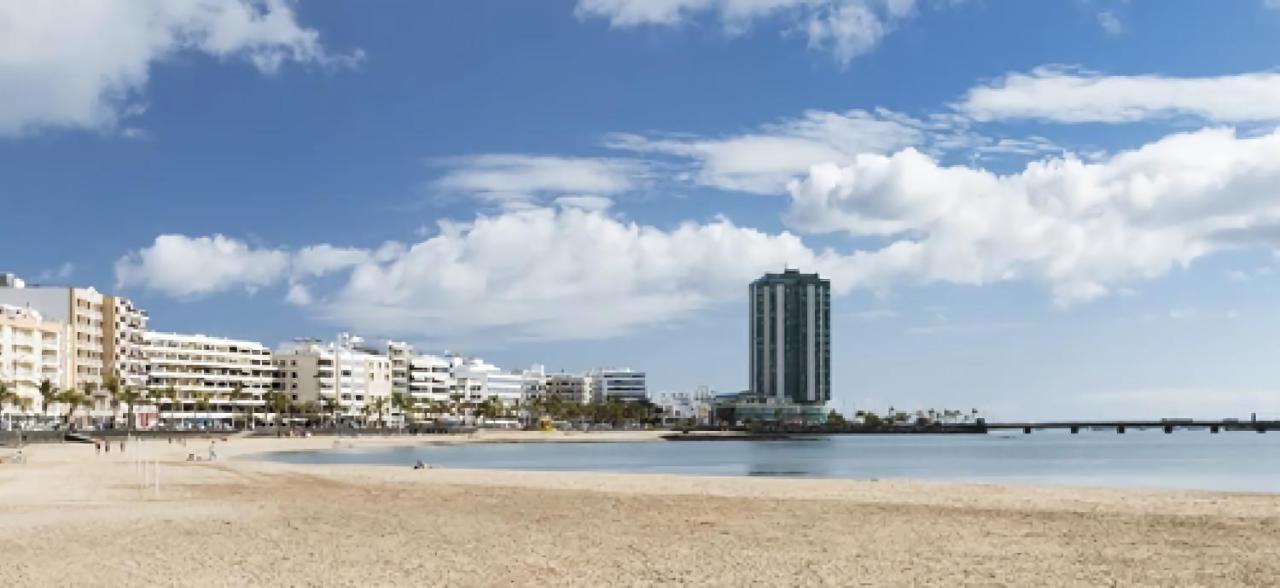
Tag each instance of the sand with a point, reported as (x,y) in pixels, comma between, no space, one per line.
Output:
(69,516)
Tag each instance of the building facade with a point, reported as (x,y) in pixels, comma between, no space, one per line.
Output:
(81,310)
(32,350)
(570,388)
(401,356)
(185,371)
(124,329)
(343,379)
(626,385)
(790,338)
(429,379)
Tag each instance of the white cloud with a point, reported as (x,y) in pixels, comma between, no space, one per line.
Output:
(1067,96)
(764,161)
(1110,23)
(534,274)
(521,178)
(585,202)
(845,28)
(85,63)
(62,273)
(1080,228)
(543,274)
(183,266)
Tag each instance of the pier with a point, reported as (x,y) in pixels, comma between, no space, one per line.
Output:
(1120,427)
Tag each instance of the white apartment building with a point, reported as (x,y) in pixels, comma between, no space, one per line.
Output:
(401,355)
(211,368)
(81,309)
(623,384)
(694,405)
(32,350)
(124,341)
(570,388)
(478,381)
(430,378)
(342,373)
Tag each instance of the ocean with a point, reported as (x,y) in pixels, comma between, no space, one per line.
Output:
(1230,461)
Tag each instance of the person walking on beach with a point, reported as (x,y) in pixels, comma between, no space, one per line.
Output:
(212,455)
(97,448)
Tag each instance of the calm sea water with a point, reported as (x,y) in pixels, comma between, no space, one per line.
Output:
(1236,461)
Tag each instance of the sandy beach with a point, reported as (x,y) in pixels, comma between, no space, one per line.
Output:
(69,516)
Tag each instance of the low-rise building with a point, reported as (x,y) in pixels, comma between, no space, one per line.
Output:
(625,384)
(204,380)
(341,379)
(570,388)
(430,377)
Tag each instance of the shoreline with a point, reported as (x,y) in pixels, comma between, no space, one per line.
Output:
(241,520)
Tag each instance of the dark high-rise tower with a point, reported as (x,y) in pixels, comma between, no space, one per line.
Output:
(791,338)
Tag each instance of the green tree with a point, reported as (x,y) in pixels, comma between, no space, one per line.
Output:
(130,397)
(835,419)
(380,408)
(404,404)
(872,419)
(48,395)
(279,403)
(237,395)
(73,399)
(8,396)
(203,401)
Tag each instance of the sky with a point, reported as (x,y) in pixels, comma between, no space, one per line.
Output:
(1064,208)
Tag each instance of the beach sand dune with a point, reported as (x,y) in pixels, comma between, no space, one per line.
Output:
(70,517)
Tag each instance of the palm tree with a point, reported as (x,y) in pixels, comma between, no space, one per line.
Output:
(73,399)
(404,404)
(278,402)
(309,409)
(237,394)
(380,407)
(202,404)
(131,397)
(48,395)
(9,396)
(330,406)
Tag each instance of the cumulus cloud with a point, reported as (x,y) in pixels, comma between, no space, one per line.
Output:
(534,274)
(576,271)
(1080,228)
(524,179)
(1068,96)
(85,63)
(568,273)
(845,28)
(183,266)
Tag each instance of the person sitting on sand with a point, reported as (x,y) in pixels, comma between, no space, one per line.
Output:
(419,465)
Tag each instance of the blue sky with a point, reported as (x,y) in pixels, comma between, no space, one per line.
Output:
(1034,208)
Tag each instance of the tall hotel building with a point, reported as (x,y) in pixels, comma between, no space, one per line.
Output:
(791,338)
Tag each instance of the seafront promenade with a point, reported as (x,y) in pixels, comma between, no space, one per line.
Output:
(240,520)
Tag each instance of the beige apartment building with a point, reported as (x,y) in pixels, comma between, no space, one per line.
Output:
(32,350)
(81,310)
(124,342)
(344,373)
